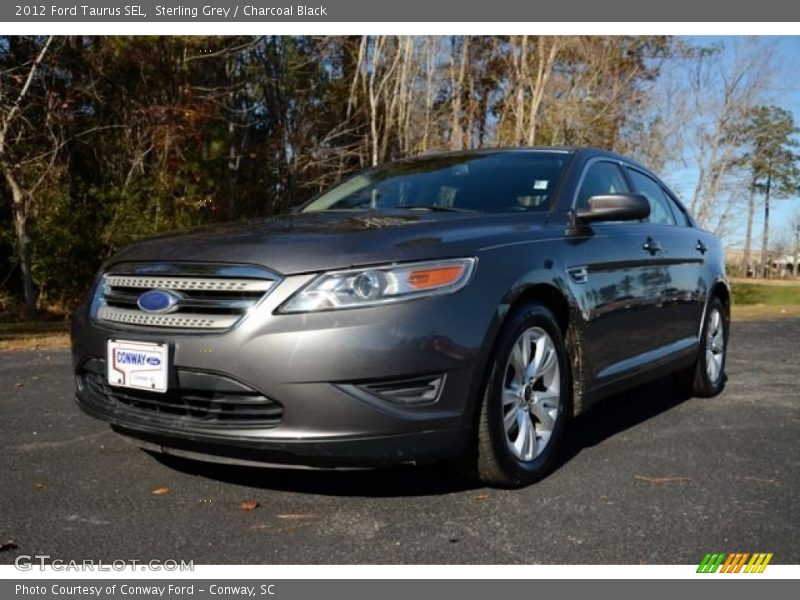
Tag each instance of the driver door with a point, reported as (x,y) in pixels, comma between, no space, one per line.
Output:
(620,284)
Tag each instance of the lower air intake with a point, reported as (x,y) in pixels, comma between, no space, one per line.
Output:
(196,400)
(414,391)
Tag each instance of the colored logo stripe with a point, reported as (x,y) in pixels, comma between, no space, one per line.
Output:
(735,562)
(758,563)
(711,563)
(738,562)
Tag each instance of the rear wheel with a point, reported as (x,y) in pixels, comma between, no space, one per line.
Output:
(706,378)
(526,402)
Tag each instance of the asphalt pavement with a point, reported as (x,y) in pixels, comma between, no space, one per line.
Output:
(647,477)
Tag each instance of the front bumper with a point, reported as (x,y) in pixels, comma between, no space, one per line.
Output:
(310,364)
(352,453)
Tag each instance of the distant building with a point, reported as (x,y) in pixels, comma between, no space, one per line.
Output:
(780,266)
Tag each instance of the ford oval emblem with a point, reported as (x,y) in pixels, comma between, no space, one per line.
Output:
(159,301)
(153,360)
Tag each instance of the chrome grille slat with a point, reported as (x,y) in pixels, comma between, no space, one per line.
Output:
(181,320)
(188,283)
(211,297)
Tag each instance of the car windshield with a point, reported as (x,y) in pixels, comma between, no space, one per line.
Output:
(483,182)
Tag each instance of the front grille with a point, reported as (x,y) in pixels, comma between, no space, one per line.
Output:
(198,399)
(209,297)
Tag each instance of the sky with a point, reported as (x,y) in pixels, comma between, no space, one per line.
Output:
(784,91)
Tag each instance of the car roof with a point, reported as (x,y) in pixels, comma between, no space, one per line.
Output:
(582,151)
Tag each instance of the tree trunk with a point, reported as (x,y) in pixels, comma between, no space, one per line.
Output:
(765,267)
(457,90)
(21,234)
(430,67)
(544,69)
(374,93)
(234,157)
(748,237)
(520,65)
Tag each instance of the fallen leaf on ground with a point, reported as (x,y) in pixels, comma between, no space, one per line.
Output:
(481,497)
(160,491)
(661,480)
(249,505)
(286,529)
(38,485)
(297,517)
(18,384)
(8,545)
(758,479)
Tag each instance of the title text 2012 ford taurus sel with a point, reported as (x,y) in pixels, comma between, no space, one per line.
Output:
(460,306)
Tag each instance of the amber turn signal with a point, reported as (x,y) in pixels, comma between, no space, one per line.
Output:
(436,277)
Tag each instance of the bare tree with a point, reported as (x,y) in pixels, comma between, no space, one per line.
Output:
(13,126)
(721,93)
(382,66)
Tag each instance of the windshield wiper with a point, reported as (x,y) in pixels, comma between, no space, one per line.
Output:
(434,208)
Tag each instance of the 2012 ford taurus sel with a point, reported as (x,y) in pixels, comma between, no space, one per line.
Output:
(457,306)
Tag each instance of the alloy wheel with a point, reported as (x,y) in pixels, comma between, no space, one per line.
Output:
(531,394)
(715,346)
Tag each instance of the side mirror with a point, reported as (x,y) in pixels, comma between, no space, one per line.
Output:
(614,207)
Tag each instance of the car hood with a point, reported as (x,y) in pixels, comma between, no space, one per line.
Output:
(307,242)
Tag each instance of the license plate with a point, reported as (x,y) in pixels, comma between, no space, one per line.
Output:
(139,365)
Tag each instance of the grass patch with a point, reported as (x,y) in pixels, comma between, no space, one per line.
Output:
(779,299)
(32,327)
(766,294)
(36,342)
(34,335)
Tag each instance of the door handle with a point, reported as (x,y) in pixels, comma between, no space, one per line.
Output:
(701,247)
(651,246)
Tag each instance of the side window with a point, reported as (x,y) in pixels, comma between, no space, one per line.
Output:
(660,211)
(680,214)
(601,178)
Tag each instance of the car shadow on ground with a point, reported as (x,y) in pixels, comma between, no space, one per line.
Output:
(618,413)
(608,418)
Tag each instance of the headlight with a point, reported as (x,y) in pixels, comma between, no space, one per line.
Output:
(381,285)
(98,293)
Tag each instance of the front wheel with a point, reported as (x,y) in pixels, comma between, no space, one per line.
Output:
(526,402)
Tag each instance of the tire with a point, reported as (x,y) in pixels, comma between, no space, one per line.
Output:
(706,378)
(541,402)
